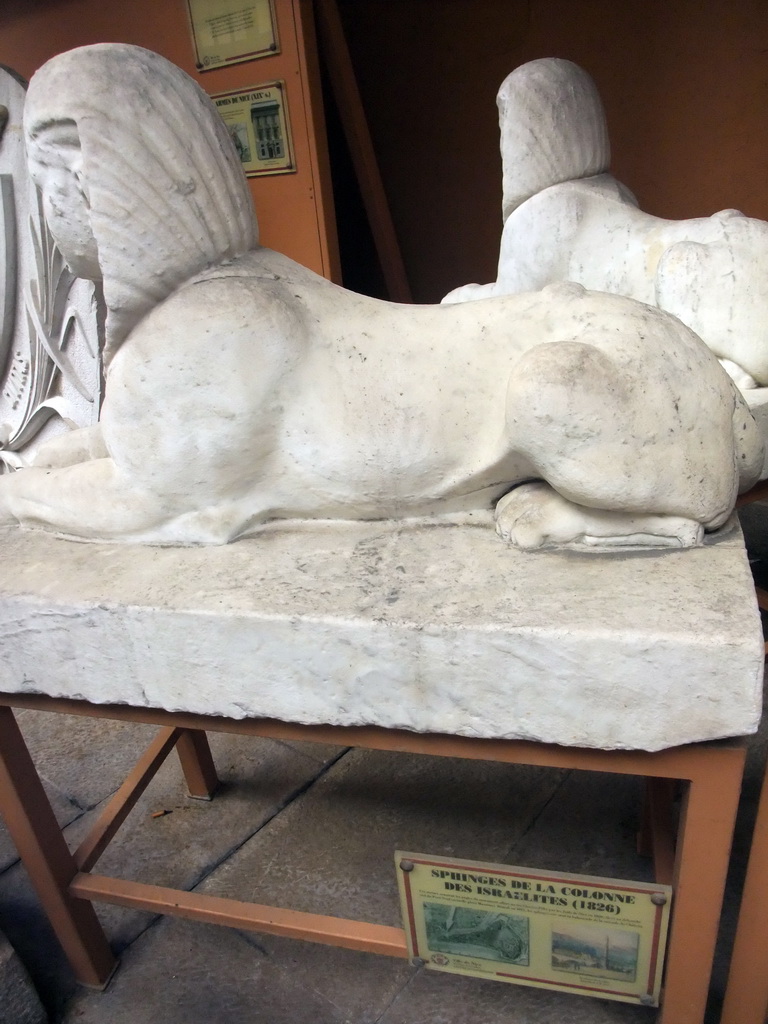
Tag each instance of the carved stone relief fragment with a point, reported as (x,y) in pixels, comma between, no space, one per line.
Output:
(50,321)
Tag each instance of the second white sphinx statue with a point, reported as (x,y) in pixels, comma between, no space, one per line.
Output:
(566,218)
(243,388)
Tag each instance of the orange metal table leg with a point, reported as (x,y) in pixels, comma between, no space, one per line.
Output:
(701,865)
(124,800)
(746,997)
(197,764)
(656,837)
(50,865)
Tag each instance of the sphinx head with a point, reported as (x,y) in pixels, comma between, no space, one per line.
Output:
(56,167)
(141,185)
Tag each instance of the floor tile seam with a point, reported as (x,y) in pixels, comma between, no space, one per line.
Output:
(288,745)
(154,919)
(63,828)
(80,808)
(83,808)
(397,996)
(286,802)
(249,939)
(533,822)
(13,864)
(282,805)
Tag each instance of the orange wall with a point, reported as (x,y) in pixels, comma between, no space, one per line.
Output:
(684,82)
(291,208)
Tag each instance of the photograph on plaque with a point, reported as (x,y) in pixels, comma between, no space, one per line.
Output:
(231,31)
(257,120)
(603,937)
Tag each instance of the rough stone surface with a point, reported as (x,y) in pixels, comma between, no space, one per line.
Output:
(430,1000)
(19,1002)
(422,628)
(201,974)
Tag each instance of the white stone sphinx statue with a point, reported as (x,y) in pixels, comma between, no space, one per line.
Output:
(242,388)
(567,219)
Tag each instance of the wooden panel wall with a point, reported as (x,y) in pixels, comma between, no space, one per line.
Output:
(684,82)
(295,211)
(685,85)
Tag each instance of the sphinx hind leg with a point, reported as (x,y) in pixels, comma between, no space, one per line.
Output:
(534,515)
(89,500)
(623,458)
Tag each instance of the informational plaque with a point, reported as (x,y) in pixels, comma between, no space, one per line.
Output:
(572,933)
(230,31)
(257,120)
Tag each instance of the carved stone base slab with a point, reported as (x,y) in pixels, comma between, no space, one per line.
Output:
(430,626)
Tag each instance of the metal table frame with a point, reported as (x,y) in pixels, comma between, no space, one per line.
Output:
(67,886)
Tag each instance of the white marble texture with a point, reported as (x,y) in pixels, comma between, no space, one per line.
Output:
(426,627)
(567,219)
(242,388)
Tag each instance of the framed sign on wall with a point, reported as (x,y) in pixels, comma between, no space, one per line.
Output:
(231,31)
(257,119)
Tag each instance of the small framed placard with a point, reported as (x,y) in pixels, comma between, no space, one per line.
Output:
(257,119)
(231,31)
(573,933)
